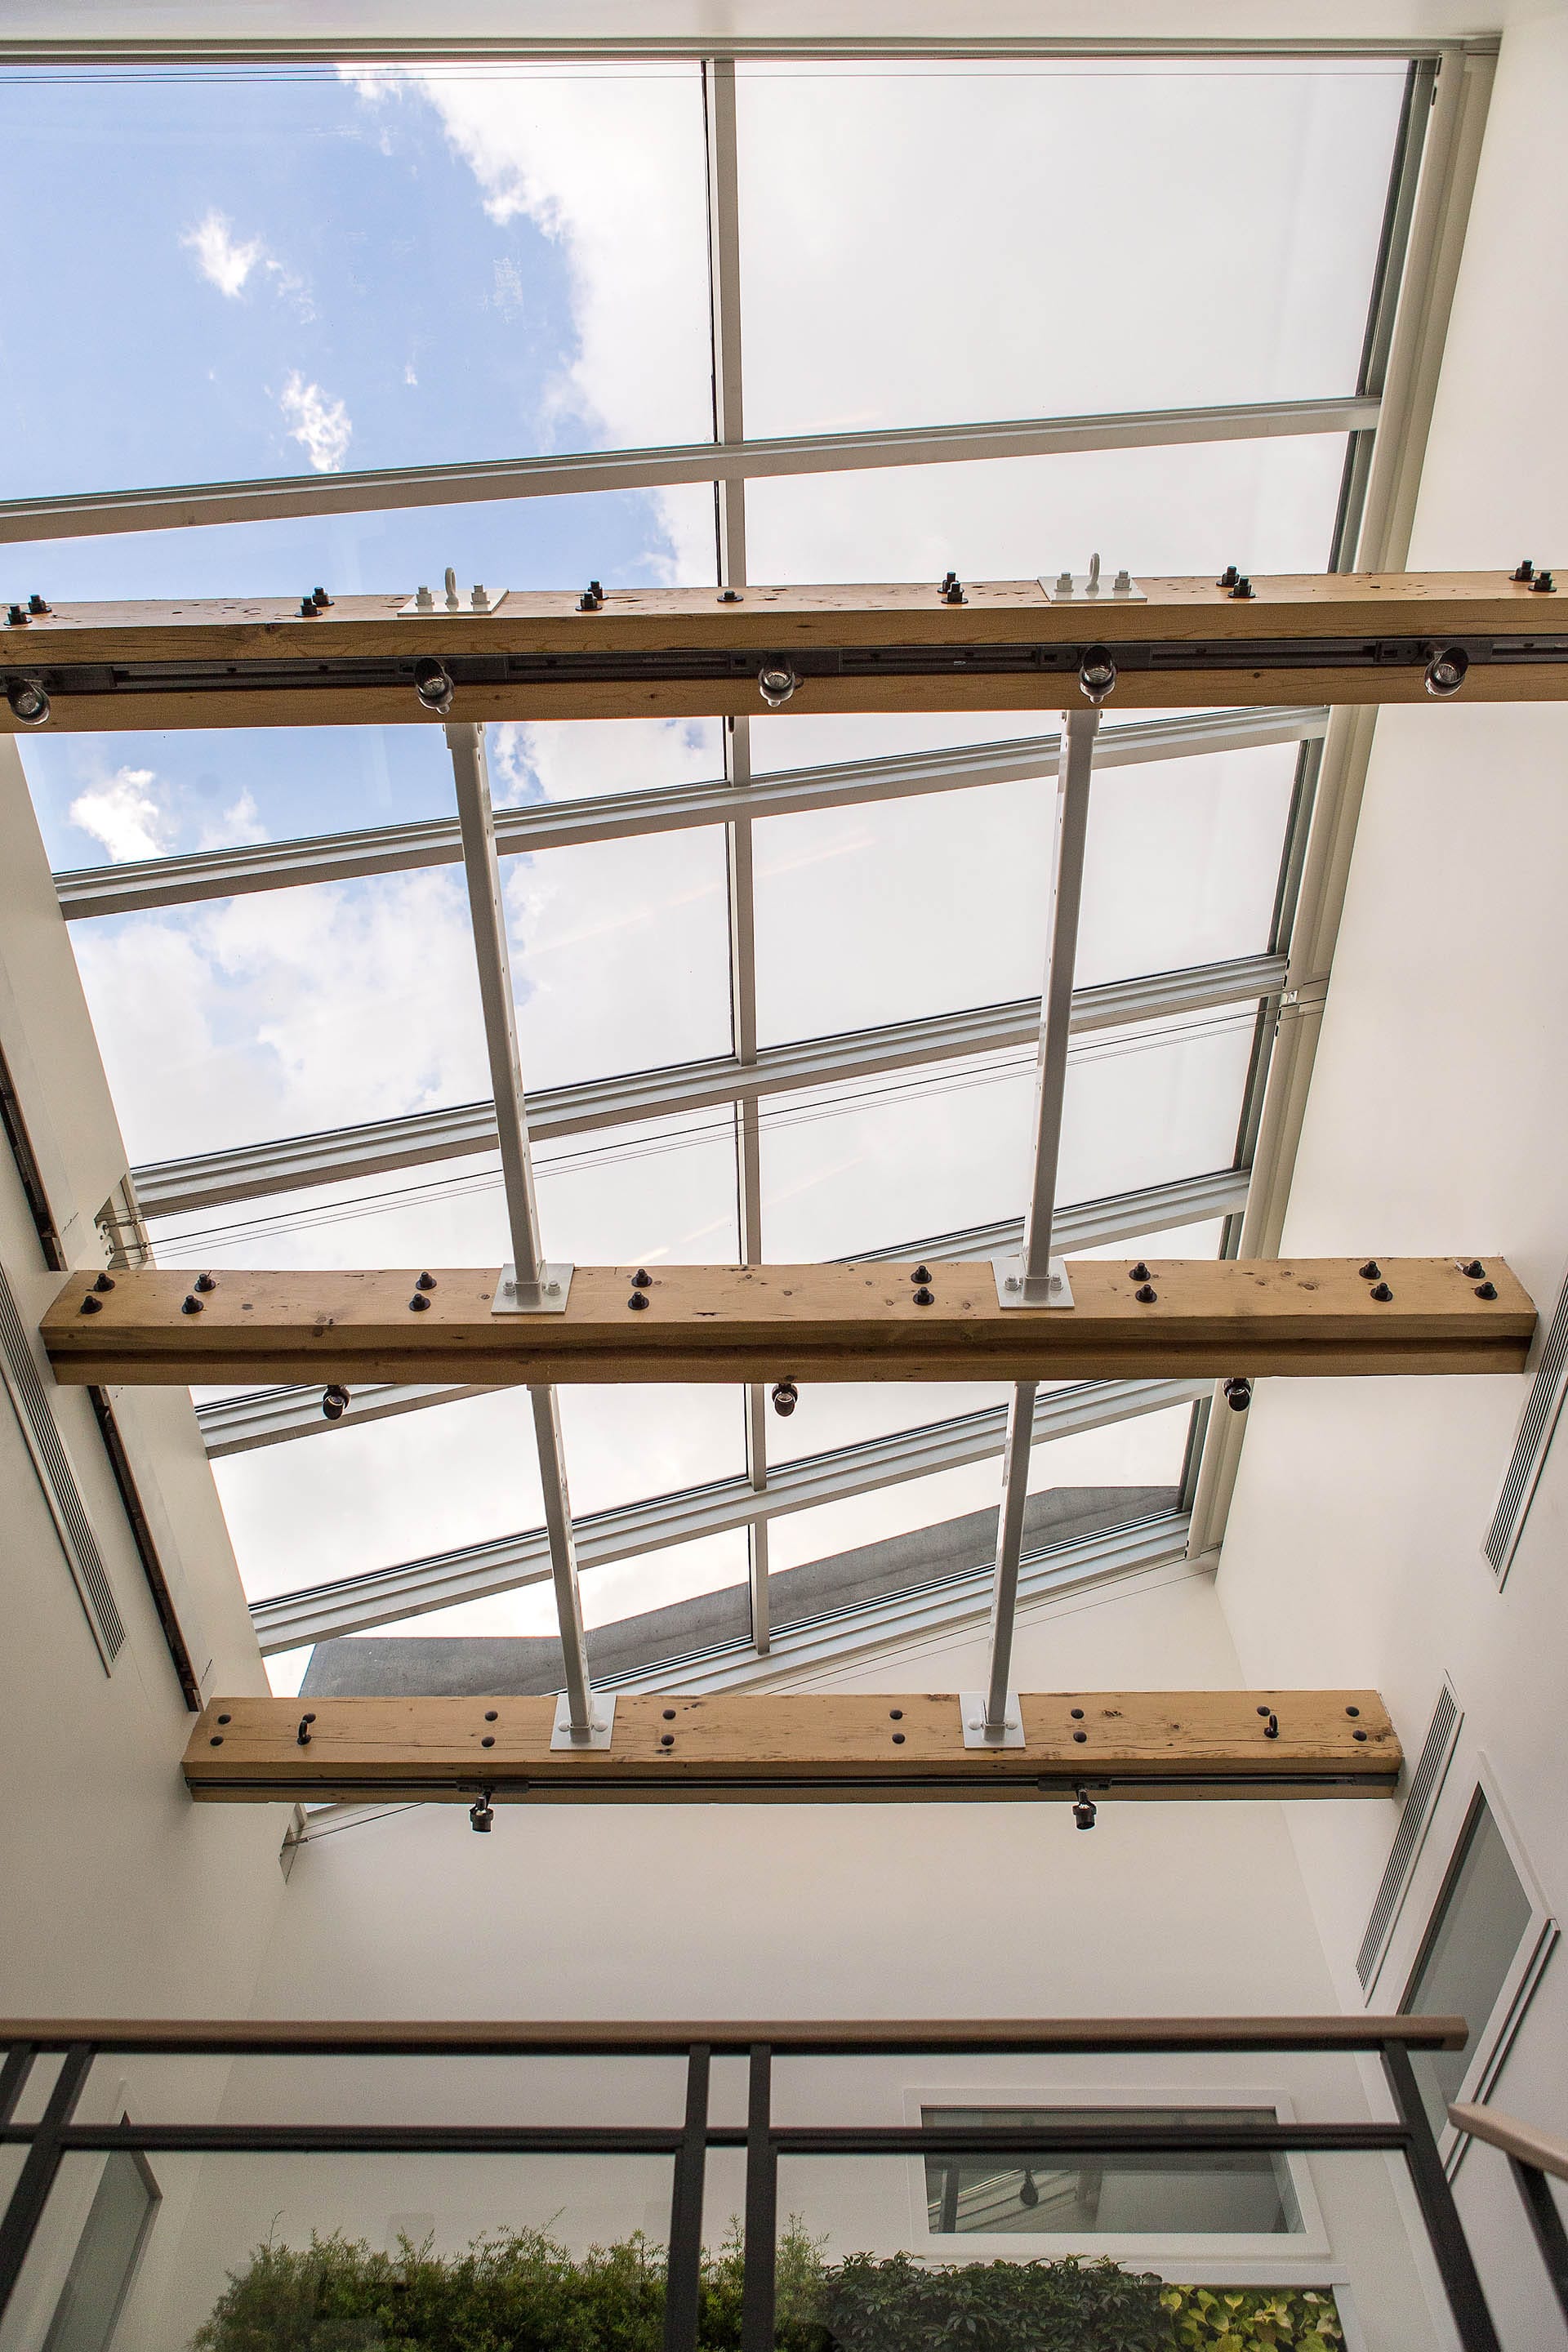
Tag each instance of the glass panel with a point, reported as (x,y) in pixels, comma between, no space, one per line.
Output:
(1269,506)
(1470,1949)
(899,909)
(353,267)
(99,2276)
(1090,178)
(1112,2195)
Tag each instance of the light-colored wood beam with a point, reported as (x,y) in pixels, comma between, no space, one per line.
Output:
(269,665)
(853,1747)
(1204,1318)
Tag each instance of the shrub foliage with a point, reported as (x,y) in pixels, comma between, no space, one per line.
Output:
(524,2292)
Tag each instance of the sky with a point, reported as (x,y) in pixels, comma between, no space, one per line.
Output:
(313,272)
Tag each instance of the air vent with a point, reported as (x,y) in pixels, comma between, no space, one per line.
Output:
(1536,1431)
(1420,1797)
(57,1479)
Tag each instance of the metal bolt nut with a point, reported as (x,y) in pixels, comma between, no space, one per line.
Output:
(1146,1293)
(1381,1292)
(190,1305)
(419,1304)
(923,1297)
(637,1299)
(1372,1271)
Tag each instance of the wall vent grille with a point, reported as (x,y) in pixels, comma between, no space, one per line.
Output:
(1536,1431)
(57,1479)
(1420,1797)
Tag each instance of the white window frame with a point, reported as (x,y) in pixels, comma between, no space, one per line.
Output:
(65,2219)
(1493,2037)
(1212,2257)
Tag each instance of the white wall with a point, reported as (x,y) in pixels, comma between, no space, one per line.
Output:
(1436,1122)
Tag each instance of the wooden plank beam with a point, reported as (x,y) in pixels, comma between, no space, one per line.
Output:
(851,1747)
(1011,645)
(1206,1318)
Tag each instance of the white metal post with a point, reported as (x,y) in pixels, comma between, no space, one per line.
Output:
(1030,1281)
(534,1286)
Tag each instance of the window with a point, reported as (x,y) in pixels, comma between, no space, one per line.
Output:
(1479,1946)
(106,2255)
(1108,2196)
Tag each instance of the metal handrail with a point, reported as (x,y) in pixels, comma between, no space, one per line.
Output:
(1532,2154)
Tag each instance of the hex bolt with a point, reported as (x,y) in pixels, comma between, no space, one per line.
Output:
(1081,1737)
(488,1740)
(637,1299)
(216,1739)
(1228,577)
(895,1715)
(1358,1735)
(190,1303)
(923,1297)
(1543,583)
(921,1274)
(1271,1728)
(1146,1293)
(592,598)
(491,1715)
(897,1739)
(1485,1290)
(667,1739)
(1122,586)
(419,1304)
(1263,1710)
(36,603)
(424,1282)
(1381,1292)
(308,609)
(1077,1715)
(17,615)
(205,1282)
(1353,1710)
(1243,588)
(1139,1273)
(642,1279)
(1526,570)
(669,1715)
(303,1735)
(731,597)
(1372,1271)
(1475,1271)
(90,1305)
(225,1719)
(106,1281)
(319,598)
(953,592)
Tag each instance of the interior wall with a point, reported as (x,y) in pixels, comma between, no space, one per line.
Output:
(1437,1123)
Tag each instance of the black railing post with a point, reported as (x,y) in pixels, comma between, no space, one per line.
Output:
(683,2276)
(36,2178)
(1456,2265)
(13,2074)
(1547,2223)
(760,2285)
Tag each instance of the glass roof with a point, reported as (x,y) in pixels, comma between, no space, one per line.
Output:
(325,271)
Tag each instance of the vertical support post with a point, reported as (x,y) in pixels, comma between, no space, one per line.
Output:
(683,2276)
(730,525)
(1032,1283)
(1547,2223)
(530,1285)
(13,2076)
(759,2288)
(1451,2249)
(39,2172)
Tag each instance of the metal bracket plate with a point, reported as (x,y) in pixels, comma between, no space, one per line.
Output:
(972,1704)
(1015,1290)
(601,1730)
(546,1297)
(446,604)
(1089,588)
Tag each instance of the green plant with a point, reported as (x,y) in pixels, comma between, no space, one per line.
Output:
(522,2292)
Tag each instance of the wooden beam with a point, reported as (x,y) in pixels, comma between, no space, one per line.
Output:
(259,661)
(1205,1318)
(851,1747)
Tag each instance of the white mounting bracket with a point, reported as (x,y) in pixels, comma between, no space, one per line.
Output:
(548,1295)
(425,605)
(1016,1288)
(1088,587)
(600,1724)
(976,1735)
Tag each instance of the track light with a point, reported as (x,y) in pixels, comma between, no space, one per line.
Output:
(778,682)
(1085,1810)
(335,1402)
(1239,1394)
(432,685)
(1446,670)
(1028,2194)
(786,1396)
(1095,673)
(480,1813)
(30,703)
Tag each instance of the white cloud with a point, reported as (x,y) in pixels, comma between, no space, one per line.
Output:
(124,815)
(320,424)
(241,821)
(220,256)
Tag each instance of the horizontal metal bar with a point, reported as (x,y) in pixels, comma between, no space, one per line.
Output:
(1085,2139)
(863,2038)
(88,513)
(385,1596)
(872,1628)
(293,1163)
(272,1416)
(144,883)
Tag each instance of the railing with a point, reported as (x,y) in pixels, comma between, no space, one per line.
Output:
(1532,2158)
(55,2134)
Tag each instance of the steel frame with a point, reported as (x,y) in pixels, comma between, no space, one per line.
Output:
(57,2135)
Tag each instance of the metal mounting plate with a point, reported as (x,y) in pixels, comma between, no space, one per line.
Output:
(1012,1289)
(549,1297)
(1091,588)
(602,1703)
(976,1735)
(465,608)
